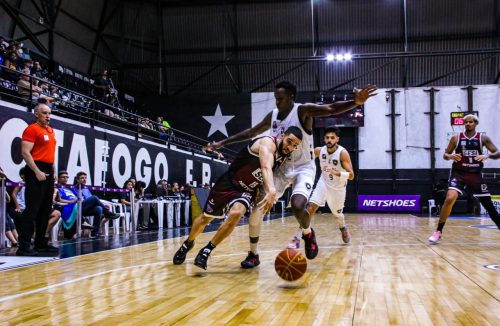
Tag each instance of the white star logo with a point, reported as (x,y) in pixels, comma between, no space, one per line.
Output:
(218,121)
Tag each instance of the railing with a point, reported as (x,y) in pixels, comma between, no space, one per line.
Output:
(3,212)
(172,213)
(83,108)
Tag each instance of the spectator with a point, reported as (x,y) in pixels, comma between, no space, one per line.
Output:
(10,226)
(55,214)
(92,205)
(102,87)
(10,62)
(26,54)
(176,190)
(140,187)
(38,71)
(3,46)
(159,125)
(18,200)
(24,85)
(125,196)
(65,202)
(162,188)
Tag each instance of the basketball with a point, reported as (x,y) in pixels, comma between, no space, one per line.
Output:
(290,265)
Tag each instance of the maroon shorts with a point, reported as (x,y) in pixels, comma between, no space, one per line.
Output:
(222,197)
(460,181)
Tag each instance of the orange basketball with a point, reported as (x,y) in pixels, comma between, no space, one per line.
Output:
(290,264)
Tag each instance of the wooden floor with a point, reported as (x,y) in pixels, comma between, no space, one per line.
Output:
(387,275)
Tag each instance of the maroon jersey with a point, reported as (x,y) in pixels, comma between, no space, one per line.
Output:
(245,172)
(469,147)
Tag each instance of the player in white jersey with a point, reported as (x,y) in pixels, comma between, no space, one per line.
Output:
(300,170)
(336,169)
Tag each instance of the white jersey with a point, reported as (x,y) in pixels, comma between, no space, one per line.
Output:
(305,153)
(331,162)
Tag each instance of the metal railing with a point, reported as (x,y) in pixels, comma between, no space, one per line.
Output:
(81,107)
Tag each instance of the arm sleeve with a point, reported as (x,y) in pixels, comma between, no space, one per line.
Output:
(29,135)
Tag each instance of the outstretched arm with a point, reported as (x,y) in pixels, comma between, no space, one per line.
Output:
(246,134)
(321,110)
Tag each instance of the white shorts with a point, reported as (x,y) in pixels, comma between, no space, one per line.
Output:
(335,197)
(300,177)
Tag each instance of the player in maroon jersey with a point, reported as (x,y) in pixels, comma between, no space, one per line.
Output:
(465,173)
(234,191)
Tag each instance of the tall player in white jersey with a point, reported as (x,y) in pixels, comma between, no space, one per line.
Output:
(300,170)
(336,169)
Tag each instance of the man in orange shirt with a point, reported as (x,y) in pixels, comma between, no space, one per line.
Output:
(38,150)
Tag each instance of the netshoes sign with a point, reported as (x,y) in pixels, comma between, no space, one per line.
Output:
(389,203)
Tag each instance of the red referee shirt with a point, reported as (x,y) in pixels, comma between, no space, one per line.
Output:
(44,142)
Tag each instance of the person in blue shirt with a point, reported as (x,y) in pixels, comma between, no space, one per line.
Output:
(91,205)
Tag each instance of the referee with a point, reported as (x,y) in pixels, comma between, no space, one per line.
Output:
(38,150)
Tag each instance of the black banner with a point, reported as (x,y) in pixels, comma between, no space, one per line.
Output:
(108,157)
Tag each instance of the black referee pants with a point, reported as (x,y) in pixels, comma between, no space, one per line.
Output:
(38,196)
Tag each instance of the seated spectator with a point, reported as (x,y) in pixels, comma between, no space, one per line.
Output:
(38,71)
(17,50)
(55,214)
(65,202)
(186,190)
(142,220)
(176,190)
(92,205)
(9,61)
(159,125)
(26,53)
(18,201)
(24,85)
(10,226)
(3,46)
(125,196)
(144,123)
(162,188)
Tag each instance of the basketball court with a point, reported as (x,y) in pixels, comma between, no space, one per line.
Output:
(388,274)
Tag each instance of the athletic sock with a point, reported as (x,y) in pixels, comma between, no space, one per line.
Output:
(254,243)
(440,226)
(210,246)
(306,231)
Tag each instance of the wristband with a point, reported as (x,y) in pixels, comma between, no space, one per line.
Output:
(344,175)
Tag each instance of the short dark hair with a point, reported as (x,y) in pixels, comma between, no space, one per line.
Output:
(22,171)
(62,172)
(333,129)
(288,86)
(79,174)
(294,131)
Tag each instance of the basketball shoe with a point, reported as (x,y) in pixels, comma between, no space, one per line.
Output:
(180,255)
(435,238)
(346,237)
(311,246)
(202,258)
(251,261)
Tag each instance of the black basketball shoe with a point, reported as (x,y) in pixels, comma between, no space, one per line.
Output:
(311,245)
(251,261)
(180,255)
(202,258)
